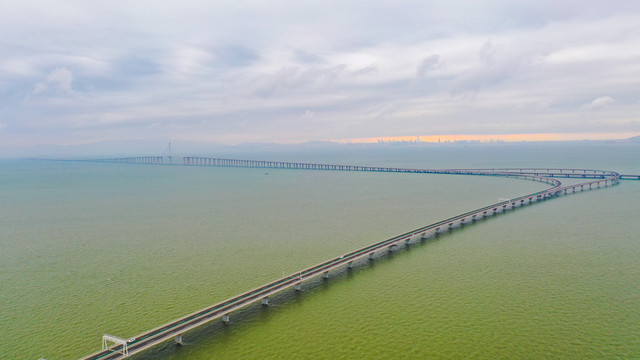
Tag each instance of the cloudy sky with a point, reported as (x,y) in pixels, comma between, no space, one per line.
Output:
(229,72)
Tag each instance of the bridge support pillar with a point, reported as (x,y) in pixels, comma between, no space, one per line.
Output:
(437,230)
(371,255)
(473,218)
(265,301)
(450,225)
(178,340)
(225,318)
(423,237)
(325,275)
(350,265)
(297,287)
(407,241)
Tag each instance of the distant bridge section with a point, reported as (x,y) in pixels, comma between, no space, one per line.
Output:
(267,164)
(153,160)
(629,177)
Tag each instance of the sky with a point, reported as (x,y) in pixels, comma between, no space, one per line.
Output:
(230,72)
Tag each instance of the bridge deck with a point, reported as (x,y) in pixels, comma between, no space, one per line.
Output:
(184,324)
(629,177)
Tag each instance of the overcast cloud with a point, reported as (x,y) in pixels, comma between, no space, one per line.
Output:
(226,71)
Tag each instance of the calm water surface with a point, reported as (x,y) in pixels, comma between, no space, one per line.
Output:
(88,249)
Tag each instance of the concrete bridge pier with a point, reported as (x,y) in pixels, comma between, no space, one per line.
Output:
(325,275)
(350,265)
(407,241)
(371,255)
(423,237)
(450,226)
(437,230)
(225,318)
(265,301)
(473,218)
(178,340)
(297,287)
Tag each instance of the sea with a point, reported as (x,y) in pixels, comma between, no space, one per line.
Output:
(88,249)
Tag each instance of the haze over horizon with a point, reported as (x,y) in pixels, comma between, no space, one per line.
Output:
(73,72)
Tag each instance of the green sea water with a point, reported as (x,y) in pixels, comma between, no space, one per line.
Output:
(88,249)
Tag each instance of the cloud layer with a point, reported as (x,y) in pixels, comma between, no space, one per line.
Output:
(229,72)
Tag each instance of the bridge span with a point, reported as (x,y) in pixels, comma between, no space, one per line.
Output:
(174,330)
(268,164)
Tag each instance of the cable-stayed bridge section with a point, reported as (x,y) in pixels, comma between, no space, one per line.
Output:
(174,330)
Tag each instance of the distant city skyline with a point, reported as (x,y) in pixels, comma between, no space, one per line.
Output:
(494,137)
(74,72)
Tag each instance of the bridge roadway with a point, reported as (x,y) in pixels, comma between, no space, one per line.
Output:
(223,162)
(175,329)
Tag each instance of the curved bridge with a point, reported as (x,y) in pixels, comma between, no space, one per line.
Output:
(593,179)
